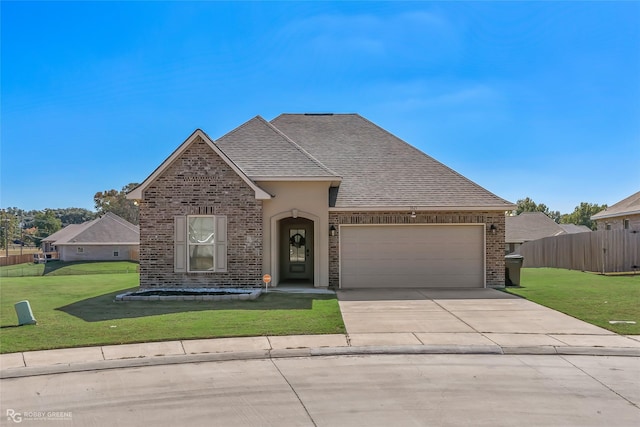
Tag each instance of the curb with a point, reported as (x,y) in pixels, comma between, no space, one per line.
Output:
(315,352)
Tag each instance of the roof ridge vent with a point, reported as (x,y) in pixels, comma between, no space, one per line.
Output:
(318,114)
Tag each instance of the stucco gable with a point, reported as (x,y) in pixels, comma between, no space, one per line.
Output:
(137,193)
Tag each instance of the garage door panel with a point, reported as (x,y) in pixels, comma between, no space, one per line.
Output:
(412,256)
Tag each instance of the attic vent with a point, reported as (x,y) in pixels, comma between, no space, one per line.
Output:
(203,210)
(318,114)
(197,178)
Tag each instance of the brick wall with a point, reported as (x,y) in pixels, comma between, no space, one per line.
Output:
(199,182)
(495,242)
(618,223)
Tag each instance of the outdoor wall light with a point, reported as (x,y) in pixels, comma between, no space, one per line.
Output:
(493,228)
(332,230)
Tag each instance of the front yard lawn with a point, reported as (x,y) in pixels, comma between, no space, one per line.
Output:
(76,311)
(587,296)
(60,268)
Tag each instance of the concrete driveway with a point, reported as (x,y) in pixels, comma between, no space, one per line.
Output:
(463,317)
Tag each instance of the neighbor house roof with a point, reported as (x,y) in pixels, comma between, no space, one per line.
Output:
(378,169)
(106,230)
(530,226)
(573,228)
(628,206)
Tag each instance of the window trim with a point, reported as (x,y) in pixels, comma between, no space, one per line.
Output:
(626,224)
(181,261)
(80,250)
(116,253)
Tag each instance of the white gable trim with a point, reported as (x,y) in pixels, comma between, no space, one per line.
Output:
(136,193)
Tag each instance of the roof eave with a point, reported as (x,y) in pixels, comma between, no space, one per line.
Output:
(614,215)
(423,208)
(297,178)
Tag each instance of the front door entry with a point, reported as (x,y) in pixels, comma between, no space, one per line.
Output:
(296,250)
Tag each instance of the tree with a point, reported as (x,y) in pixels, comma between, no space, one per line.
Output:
(9,224)
(116,202)
(46,223)
(581,215)
(528,205)
(73,215)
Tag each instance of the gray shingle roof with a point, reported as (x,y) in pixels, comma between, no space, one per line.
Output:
(377,168)
(573,228)
(261,150)
(530,226)
(628,206)
(107,229)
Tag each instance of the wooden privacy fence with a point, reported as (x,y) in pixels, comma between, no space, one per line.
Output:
(16,259)
(604,251)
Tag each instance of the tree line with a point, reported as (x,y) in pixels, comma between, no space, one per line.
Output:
(22,227)
(18,226)
(581,215)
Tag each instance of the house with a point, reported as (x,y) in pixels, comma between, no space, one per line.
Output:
(316,199)
(107,238)
(624,215)
(530,226)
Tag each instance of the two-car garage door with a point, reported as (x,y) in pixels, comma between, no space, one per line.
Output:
(429,256)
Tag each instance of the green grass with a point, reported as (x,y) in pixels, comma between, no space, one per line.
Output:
(76,311)
(59,268)
(590,297)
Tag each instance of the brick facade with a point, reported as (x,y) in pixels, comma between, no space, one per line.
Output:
(199,182)
(495,267)
(617,223)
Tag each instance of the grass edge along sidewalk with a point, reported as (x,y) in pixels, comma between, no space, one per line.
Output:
(78,311)
(590,297)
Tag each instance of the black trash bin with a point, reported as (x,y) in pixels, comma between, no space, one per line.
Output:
(513,264)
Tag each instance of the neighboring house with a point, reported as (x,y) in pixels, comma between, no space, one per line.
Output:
(316,199)
(107,238)
(530,226)
(624,215)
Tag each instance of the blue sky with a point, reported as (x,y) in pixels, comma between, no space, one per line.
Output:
(526,99)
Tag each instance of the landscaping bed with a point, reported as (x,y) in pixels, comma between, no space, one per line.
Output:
(195,294)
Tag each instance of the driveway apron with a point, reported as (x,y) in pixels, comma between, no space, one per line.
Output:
(464,317)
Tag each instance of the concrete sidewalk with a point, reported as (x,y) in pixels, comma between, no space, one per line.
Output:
(43,362)
(400,321)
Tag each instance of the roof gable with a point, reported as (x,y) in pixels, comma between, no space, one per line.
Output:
(136,193)
(628,206)
(378,169)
